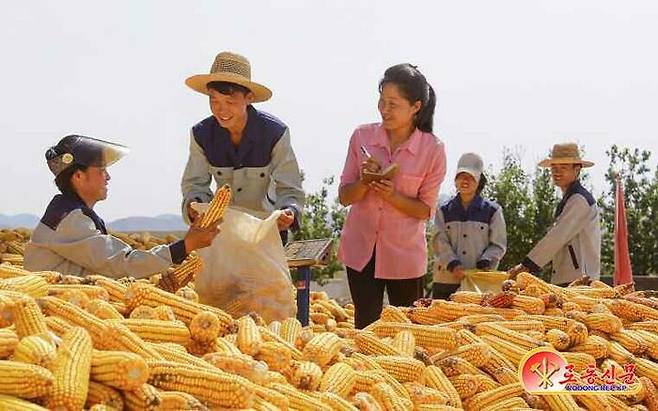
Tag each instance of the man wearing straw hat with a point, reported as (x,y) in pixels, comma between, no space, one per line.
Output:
(241,146)
(573,244)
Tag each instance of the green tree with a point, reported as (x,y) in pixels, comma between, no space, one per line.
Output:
(323,219)
(641,194)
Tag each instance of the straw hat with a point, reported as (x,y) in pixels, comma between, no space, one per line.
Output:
(566,153)
(232,68)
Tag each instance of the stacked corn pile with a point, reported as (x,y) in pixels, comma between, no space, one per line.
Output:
(12,245)
(110,344)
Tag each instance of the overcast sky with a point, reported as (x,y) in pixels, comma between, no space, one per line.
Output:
(507,73)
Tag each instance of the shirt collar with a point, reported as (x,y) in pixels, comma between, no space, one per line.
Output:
(412,144)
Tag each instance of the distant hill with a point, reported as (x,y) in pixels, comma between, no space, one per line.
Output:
(18,221)
(164,222)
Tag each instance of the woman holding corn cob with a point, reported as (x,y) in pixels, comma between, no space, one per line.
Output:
(241,146)
(72,239)
(470,230)
(383,242)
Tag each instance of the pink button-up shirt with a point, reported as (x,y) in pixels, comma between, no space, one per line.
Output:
(374,224)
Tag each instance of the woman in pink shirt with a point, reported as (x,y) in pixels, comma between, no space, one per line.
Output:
(383,243)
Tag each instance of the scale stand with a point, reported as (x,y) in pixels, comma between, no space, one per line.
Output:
(302,255)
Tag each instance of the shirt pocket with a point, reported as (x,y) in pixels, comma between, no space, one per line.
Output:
(257,183)
(222,175)
(409,185)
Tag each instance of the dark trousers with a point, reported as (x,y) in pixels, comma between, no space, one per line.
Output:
(368,293)
(442,291)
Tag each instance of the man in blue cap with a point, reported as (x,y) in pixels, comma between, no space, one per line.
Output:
(72,239)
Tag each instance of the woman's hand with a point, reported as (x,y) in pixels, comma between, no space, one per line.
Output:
(383,188)
(198,237)
(371,165)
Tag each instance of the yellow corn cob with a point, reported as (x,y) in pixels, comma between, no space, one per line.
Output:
(145,398)
(404,343)
(434,377)
(176,400)
(103,310)
(121,308)
(558,339)
(276,355)
(271,396)
(477,354)
(395,384)
(157,331)
(58,326)
(508,404)
(368,343)
(181,276)
(322,348)
(607,323)
(217,388)
(6,315)
(119,369)
(24,380)
(36,349)
(651,393)
(595,346)
(531,305)
(651,326)
(115,289)
(119,337)
(74,315)
(33,285)
(366,380)
(217,207)
(579,360)
(103,395)
(496,361)
(512,352)
(249,339)
(9,403)
(504,375)
(8,342)
(650,341)
(647,368)
(143,312)
(465,384)
(269,336)
(394,314)
(241,364)
(334,401)
(339,379)
(91,291)
(75,297)
(366,402)
(487,398)
(512,336)
(561,323)
(386,396)
(205,327)
(401,368)
(164,313)
(222,345)
(359,361)
(466,297)
(188,294)
(177,353)
(620,354)
(305,375)
(185,310)
(262,405)
(275,327)
(71,371)
(561,402)
(577,333)
(319,318)
(569,306)
(486,383)
(522,325)
(630,340)
(275,377)
(426,336)
(594,402)
(10,271)
(291,328)
(299,400)
(420,395)
(439,407)
(465,337)
(452,366)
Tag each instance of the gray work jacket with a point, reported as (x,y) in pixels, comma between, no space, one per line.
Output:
(573,244)
(262,171)
(473,238)
(71,239)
